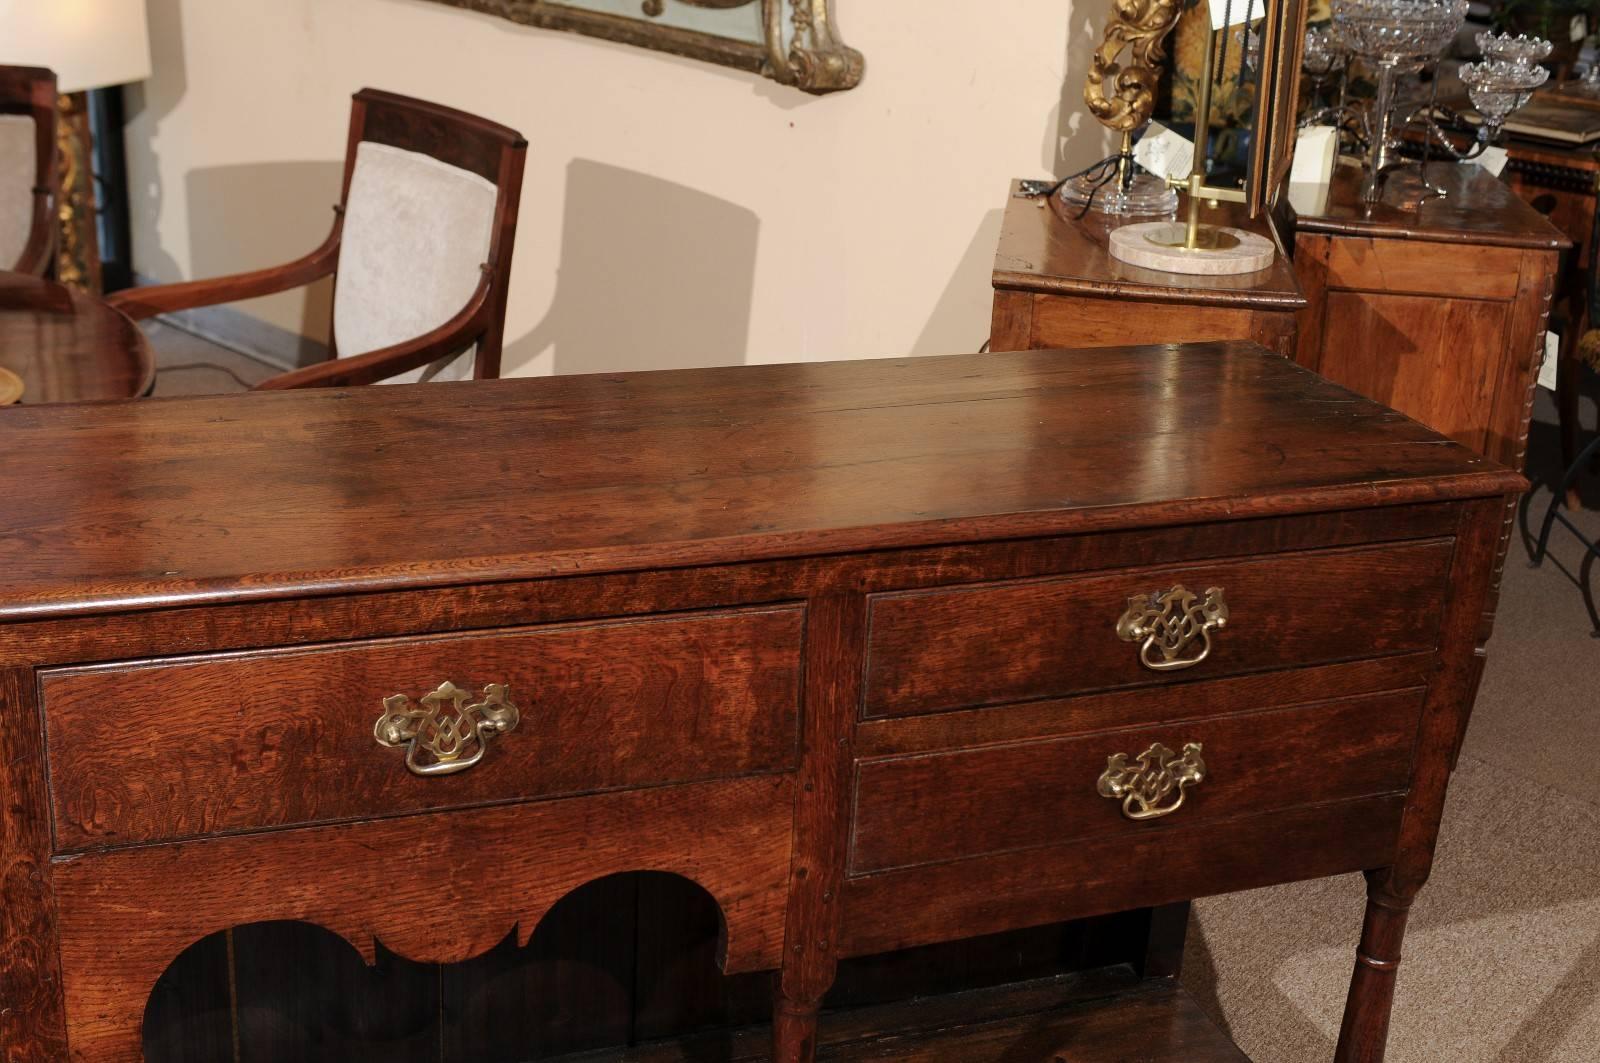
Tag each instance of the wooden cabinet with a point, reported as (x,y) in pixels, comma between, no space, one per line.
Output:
(876,654)
(1439,311)
(1560,183)
(1056,285)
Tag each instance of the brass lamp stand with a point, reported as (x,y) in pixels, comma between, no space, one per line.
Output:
(1191,246)
(1194,235)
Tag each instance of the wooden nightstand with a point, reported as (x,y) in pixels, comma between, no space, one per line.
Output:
(1056,285)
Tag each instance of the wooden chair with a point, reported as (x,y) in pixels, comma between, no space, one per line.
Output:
(420,250)
(30,179)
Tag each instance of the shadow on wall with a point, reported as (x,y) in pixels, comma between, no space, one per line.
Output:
(967,298)
(144,102)
(1075,138)
(652,275)
(267,214)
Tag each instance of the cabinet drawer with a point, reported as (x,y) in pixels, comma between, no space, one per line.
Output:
(955,648)
(933,808)
(164,750)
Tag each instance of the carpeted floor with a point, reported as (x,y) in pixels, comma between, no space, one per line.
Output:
(1502,959)
(186,364)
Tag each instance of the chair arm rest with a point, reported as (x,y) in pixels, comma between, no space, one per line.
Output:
(38,255)
(140,303)
(453,337)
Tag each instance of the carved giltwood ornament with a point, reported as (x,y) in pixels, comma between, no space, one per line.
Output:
(1123,97)
(799,46)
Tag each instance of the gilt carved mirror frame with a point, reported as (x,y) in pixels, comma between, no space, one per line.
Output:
(794,42)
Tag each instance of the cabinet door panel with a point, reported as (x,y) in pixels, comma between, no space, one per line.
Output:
(1436,360)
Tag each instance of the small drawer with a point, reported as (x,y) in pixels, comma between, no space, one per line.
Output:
(934,808)
(144,752)
(964,647)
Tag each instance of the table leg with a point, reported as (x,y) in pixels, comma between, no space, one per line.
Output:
(1569,373)
(794,1030)
(1365,1030)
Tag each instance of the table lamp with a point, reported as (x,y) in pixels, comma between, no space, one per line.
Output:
(90,44)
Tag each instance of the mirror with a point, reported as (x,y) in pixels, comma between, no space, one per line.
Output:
(1251,97)
(795,42)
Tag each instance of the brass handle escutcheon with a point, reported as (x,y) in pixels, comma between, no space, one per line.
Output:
(1153,778)
(1173,628)
(446,731)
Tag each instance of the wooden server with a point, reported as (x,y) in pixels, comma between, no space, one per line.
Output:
(879,654)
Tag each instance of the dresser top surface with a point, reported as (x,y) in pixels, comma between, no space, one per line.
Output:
(1477,208)
(1044,248)
(166,502)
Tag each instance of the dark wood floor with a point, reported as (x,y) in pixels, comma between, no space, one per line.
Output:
(1107,1016)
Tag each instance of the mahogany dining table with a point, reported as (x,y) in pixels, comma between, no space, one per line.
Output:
(65,345)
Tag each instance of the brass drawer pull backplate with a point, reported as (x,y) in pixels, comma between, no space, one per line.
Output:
(1156,776)
(446,732)
(1173,628)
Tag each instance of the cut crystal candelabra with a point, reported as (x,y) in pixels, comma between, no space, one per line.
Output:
(1497,87)
(1398,37)
(1395,37)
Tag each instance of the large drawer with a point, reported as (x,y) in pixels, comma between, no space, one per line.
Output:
(935,808)
(962,647)
(143,752)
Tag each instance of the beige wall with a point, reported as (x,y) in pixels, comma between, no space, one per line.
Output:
(675,213)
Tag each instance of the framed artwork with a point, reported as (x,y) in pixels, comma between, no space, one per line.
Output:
(794,42)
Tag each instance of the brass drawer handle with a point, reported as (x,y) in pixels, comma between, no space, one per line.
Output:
(444,734)
(1169,625)
(1158,774)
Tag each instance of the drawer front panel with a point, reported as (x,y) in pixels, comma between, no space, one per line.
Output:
(175,749)
(956,648)
(934,808)
(1031,887)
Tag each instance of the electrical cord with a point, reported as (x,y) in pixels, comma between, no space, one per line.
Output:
(1104,172)
(181,366)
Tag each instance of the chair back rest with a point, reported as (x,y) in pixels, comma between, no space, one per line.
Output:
(19,171)
(429,215)
(29,180)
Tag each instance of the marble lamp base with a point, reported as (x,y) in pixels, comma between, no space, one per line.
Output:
(1151,245)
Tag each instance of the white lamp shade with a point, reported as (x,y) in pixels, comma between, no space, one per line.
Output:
(88,43)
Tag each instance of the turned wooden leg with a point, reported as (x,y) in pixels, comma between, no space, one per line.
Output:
(794,1030)
(1365,1031)
(1569,374)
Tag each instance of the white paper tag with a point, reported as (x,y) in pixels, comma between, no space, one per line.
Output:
(1493,159)
(1316,148)
(1552,359)
(1578,28)
(1225,13)
(1164,153)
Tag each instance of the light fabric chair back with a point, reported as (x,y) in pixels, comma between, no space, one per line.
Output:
(19,171)
(416,236)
